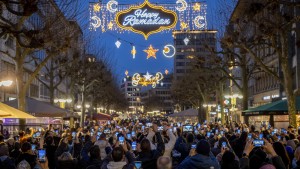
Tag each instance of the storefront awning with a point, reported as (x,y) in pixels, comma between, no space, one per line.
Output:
(10,112)
(278,107)
(188,112)
(40,108)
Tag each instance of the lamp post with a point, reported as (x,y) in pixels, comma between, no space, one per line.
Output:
(62,101)
(5,83)
(232,98)
(208,109)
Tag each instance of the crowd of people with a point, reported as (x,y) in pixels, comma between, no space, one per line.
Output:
(158,144)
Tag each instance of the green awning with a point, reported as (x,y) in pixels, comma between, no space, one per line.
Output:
(278,106)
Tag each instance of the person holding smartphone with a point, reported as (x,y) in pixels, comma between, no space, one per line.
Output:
(171,143)
(117,158)
(147,155)
(102,143)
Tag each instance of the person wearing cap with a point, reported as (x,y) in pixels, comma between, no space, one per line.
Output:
(200,158)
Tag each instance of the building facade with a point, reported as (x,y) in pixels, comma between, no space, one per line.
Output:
(133,95)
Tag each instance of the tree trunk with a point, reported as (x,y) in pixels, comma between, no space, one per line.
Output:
(21,93)
(288,81)
(221,95)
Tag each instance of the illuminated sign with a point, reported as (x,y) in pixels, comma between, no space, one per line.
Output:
(147,79)
(146,19)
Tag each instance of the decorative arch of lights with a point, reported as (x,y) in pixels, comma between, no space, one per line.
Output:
(191,15)
(147,79)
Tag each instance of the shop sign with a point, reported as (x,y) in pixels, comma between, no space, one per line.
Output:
(146,19)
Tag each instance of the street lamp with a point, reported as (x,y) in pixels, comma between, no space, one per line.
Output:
(208,109)
(6,83)
(62,101)
(233,98)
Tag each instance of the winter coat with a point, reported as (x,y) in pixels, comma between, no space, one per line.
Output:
(50,154)
(108,163)
(182,147)
(276,161)
(31,159)
(7,163)
(199,161)
(84,154)
(170,145)
(102,145)
(67,164)
(149,158)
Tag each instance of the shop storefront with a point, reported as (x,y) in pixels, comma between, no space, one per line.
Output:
(276,119)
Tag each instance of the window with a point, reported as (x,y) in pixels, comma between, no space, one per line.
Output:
(34,90)
(180,71)
(180,57)
(180,64)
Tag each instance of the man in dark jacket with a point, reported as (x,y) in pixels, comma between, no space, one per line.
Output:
(200,158)
(148,156)
(116,160)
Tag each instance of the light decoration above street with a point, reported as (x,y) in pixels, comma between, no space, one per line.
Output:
(97,7)
(126,72)
(183,25)
(181,5)
(96,22)
(118,44)
(110,25)
(112,6)
(200,22)
(197,7)
(151,52)
(102,14)
(166,72)
(147,79)
(186,41)
(133,52)
(169,51)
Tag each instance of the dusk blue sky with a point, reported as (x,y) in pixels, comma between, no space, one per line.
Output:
(121,59)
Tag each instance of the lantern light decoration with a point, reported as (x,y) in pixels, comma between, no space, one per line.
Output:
(186,41)
(133,52)
(147,79)
(166,72)
(126,72)
(118,43)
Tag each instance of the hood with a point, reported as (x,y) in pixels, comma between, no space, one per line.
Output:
(116,165)
(203,161)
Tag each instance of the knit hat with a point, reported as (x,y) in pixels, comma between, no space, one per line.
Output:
(268,166)
(203,147)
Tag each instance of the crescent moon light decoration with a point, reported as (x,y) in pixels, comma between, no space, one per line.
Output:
(97,22)
(183,5)
(169,51)
(112,6)
(199,22)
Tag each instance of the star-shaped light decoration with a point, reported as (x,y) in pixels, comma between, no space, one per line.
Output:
(97,7)
(186,41)
(110,25)
(133,52)
(151,52)
(126,72)
(147,76)
(118,44)
(166,71)
(183,25)
(196,7)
